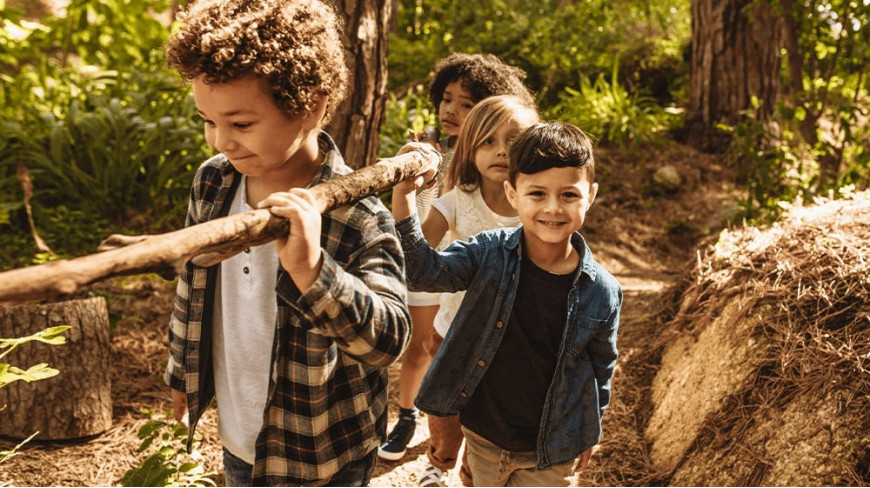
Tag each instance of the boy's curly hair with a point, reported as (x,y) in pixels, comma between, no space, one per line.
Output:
(484,75)
(295,45)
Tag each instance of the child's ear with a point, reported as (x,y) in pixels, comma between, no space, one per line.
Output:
(314,119)
(593,191)
(511,193)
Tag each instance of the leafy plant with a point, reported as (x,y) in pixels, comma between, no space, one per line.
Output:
(551,40)
(170,464)
(777,167)
(41,371)
(606,110)
(108,149)
(412,111)
(10,374)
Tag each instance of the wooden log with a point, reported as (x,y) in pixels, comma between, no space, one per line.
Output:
(78,401)
(207,243)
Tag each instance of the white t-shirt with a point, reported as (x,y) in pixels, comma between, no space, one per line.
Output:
(244,329)
(467,214)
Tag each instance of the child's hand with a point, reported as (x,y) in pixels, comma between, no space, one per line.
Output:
(429,135)
(582,462)
(300,252)
(179,407)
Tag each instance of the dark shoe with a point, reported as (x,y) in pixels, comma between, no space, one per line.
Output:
(397,442)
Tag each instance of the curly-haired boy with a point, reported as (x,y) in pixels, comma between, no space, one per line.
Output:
(291,338)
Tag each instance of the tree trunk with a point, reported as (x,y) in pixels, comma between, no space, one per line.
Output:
(78,401)
(735,57)
(356,125)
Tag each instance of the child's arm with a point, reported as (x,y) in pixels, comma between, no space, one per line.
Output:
(603,355)
(435,227)
(404,200)
(349,285)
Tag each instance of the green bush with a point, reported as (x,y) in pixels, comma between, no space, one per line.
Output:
(410,112)
(108,150)
(609,113)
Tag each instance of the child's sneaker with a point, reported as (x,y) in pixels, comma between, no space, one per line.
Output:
(397,442)
(432,477)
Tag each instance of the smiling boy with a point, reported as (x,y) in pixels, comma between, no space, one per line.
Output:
(293,338)
(528,360)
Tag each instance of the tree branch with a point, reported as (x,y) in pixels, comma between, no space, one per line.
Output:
(207,243)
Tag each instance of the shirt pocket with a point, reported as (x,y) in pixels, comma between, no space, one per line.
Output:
(582,334)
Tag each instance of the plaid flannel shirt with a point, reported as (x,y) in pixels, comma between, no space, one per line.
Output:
(328,389)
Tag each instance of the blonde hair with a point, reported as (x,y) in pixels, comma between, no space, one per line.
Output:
(482,121)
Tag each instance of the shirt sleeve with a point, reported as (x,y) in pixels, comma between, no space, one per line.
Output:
(603,354)
(359,299)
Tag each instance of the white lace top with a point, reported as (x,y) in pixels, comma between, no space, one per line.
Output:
(467,214)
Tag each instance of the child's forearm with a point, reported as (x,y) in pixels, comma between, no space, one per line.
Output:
(404,202)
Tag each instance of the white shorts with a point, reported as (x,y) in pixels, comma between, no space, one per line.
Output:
(423,299)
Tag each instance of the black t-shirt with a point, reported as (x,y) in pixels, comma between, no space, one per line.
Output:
(507,406)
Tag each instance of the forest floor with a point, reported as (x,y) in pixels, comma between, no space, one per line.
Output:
(643,235)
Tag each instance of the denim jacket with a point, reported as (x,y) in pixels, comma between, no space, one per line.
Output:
(488,267)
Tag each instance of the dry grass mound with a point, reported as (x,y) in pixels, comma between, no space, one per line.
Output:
(765,367)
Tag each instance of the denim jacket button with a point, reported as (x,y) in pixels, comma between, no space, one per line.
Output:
(463,394)
(481,363)
(499,324)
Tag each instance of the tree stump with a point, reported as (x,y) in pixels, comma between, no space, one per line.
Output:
(77,402)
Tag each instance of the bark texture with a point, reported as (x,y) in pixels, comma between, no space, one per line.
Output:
(355,127)
(77,402)
(735,57)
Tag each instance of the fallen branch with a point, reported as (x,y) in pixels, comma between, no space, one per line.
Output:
(204,244)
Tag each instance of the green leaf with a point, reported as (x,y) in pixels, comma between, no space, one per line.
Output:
(152,472)
(150,427)
(9,374)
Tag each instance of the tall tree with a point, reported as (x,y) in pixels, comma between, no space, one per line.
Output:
(735,57)
(357,121)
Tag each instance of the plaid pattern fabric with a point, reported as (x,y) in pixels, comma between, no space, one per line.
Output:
(328,391)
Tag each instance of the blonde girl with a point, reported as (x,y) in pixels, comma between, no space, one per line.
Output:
(474,201)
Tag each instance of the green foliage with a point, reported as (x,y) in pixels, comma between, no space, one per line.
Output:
(608,112)
(817,141)
(169,463)
(411,112)
(552,40)
(106,148)
(10,374)
(777,168)
(115,33)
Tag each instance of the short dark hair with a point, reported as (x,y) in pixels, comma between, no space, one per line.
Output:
(483,75)
(550,145)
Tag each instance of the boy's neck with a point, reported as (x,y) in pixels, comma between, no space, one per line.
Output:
(556,258)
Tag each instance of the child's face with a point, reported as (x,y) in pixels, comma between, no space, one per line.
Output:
(552,204)
(455,104)
(243,122)
(491,155)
